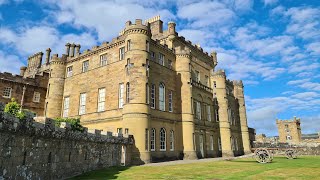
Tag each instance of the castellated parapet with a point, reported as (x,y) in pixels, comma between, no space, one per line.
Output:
(35,150)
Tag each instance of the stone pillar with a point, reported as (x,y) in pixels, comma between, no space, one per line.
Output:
(48,51)
(72,46)
(68,49)
(225,133)
(77,50)
(238,92)
(183,60)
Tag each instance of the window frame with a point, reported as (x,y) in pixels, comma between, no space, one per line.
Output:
(84,67)
(82,103)
(69,71)
(35,98)
(162,97)
(171,140)
(7,92)
(170,101)
(163,139)
(66,106)
(101,100)
(153,96)
(103,60)
(121,53)
(153,140)
(121,95)
(161,59)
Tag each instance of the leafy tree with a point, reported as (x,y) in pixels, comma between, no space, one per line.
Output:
(74,122)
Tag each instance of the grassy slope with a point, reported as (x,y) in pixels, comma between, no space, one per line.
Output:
(281,168)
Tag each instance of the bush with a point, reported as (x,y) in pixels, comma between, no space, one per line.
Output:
(13,108)
(74,122)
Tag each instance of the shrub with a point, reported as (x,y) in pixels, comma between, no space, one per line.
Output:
(13,108)
(74,122)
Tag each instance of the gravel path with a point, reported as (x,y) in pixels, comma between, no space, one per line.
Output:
(168,163)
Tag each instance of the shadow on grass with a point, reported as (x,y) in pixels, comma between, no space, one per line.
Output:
(106,173)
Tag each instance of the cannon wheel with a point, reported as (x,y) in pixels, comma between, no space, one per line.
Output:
(291,154)
(262,155)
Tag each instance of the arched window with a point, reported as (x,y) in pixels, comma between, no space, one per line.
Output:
(171,140)
(153,140)
(162,96)
(162,139)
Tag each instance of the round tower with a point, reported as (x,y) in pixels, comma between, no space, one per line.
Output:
(221,93)
(55,88)
(136,109)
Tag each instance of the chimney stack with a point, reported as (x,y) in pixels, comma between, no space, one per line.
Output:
(22,70)
(48,51)
(67,49)
(172,28)
(72,46)
(78,46)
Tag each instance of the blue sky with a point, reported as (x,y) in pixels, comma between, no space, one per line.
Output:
(272,45)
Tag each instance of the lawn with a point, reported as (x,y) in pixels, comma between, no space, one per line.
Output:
(305,167)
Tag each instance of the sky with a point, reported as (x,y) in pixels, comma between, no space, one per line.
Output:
(272,45)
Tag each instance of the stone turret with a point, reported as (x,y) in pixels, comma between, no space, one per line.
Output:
(55,88)
(22,70)
(48,51)
(238,93)
(136,108)
(219,81)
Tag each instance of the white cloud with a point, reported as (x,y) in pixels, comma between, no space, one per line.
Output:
(269,2)
(314,48)
(3,2)
(306,95)
(9,63)
(302,66)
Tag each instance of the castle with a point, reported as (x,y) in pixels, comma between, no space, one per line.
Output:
(148,82)
(289,130)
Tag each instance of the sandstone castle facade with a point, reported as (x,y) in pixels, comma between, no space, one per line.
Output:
(289,130)
(148,82)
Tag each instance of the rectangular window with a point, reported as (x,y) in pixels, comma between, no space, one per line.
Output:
(153,140)
(153,96)
(208,112)
(147,140)
(69,71)
(152,55)
(170,101)
(161,59)
(121,94)
(206,79)
(103,60)
(198,110)
(128,45)
(85,66)
(7,92)
(170,64)
(101,99)
(217,115)
(126,131)
(82,108)
(147,93)
(211,143)
(197,76)
(128,93)
(119,130)
(36,97)
(147,46)
(121,53)
(66,107)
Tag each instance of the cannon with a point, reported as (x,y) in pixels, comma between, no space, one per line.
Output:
(291,154)
(262,155)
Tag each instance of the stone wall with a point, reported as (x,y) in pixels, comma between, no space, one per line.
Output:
(302,148)
(34,150)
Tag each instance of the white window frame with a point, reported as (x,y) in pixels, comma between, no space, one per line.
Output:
(170,101)
(121,94)
(171,140)
(153,96)
(82,103)
(153,140)
(121,53)
(162,97)
(85,66)
(103,60)
(119,130)
(211,143)
(163,145)
(36,97)
(69,71)
(101,99)
(198,110)
(161,59)
(66,105)
(7,92)
(208,112)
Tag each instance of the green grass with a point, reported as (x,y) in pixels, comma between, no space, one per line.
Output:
(305,167)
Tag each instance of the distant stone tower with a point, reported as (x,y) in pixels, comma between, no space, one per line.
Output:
(289,130)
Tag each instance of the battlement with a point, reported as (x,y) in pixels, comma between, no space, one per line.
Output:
(219,72)
(294,120)
(46,128)
(237,83)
